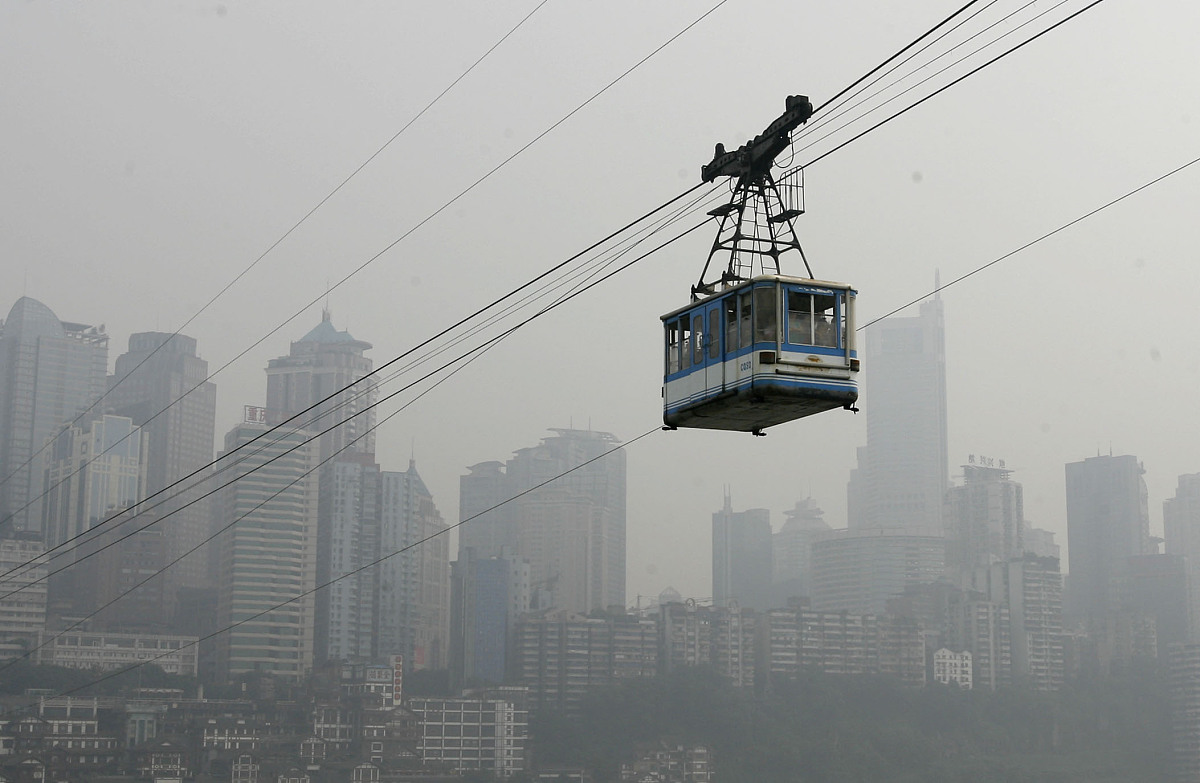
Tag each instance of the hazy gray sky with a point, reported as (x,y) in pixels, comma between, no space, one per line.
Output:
(152,150)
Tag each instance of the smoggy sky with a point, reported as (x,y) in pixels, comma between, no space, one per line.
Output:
(151,151)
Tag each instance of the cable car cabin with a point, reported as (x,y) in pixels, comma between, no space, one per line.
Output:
(768,350)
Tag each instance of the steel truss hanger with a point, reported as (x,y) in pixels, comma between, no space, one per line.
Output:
(756,226)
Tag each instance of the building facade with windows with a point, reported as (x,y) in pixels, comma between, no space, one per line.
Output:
(268,564)
(489,734)
(51,372)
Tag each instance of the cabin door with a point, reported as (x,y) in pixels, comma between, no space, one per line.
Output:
(714,347)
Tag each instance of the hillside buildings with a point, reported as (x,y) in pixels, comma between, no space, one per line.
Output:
(487,733)
(560,656)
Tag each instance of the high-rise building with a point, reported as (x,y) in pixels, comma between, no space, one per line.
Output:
(1181,528)
(1031,587)
(1108,521)
(791,551)
(414,586)
(51,371)
(488,523)
(488,595)
(741,557)
(1183,673)
(93,471)
(858,570)
(571,528)
(985,518)
(162,385)
(325,382)
(324,386)
(903,472)
(118,586)
(981,627)
(268,562)
(348,540)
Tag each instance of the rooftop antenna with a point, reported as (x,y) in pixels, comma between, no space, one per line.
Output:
(937,283)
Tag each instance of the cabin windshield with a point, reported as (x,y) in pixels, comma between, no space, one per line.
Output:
(814,319)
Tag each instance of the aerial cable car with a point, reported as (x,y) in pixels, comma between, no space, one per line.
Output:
(755,348)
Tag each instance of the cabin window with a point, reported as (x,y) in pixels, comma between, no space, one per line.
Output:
(814,319)
(731,324)
(764,315)
(674,339)
(844,337)
(824,312)
(744,340)
(698,339)
(799,318)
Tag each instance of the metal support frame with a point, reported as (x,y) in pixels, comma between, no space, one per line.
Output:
(757,226)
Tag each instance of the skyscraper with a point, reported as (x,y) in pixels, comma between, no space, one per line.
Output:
(93,472)
(1181,528)
(326,370)
(325,363)
(488,595)
(903,472)
(162,385)
(414,585)
(50,372)
(269,556)
(347,541)
(741,557)
(1032,588)
(571,530)
(791,551)
(859,570)
(1108,521)
(985,518)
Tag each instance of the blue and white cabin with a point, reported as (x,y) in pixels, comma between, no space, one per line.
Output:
(762,352)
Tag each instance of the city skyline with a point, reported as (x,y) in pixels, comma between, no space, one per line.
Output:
(110,223)
(485,525)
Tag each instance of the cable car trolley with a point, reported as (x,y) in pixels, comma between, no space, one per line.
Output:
(756,348)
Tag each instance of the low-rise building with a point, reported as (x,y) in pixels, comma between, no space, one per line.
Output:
(473,734)
(111,651)
(953,667)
